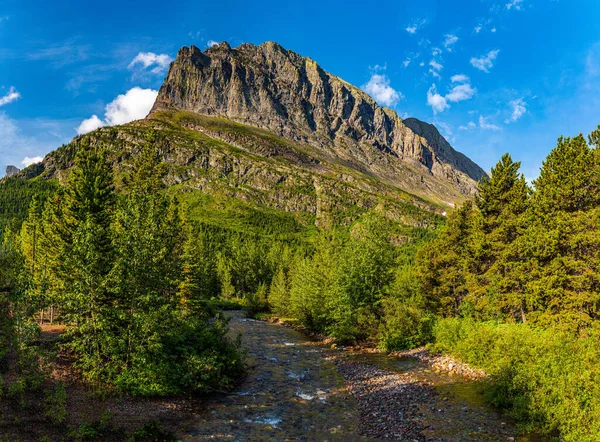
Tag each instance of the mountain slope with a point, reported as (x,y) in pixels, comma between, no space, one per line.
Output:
(260,133)
(252,168)
(269,87)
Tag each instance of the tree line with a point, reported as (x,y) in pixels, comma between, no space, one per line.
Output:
(513,280)
(523,254)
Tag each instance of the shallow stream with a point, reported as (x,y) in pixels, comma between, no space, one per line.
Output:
(294,391)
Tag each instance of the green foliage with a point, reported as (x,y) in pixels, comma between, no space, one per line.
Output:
(279,292)
(130,277)
(404,326)
(523,255)
(256,302)
(56,405)
(516,276)
(16,195)
(546,378)
(312,285)
(151,432)
(92,430)
(358,287)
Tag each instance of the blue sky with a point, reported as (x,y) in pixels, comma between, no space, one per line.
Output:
(494,76)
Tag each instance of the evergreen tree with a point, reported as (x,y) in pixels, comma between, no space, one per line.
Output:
(87,256)
(442,264)
(568,180)
(498,283)
(564,238)
(279,293)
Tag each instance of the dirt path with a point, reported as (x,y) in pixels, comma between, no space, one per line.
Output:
(301,390)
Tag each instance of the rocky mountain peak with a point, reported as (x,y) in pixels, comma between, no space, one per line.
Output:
(12,171)
(269,87)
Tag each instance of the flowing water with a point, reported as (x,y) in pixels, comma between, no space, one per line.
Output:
(294,391)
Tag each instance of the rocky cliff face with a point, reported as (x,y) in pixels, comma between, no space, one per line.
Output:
(12,171)
(291,96)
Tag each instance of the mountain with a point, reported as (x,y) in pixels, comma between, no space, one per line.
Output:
(12,170)
(278,90)
(260,132)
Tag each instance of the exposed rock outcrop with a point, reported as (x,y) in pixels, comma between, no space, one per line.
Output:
(12,171)
(269,87)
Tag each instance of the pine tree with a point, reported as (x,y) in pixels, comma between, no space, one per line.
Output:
(34,257)
(499,277)
(442,264)
(564,238)
(568,178)
(279,293)
(87,256)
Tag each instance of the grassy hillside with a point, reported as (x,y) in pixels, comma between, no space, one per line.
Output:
(241,176)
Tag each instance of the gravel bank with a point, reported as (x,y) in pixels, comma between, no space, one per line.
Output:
(387,401)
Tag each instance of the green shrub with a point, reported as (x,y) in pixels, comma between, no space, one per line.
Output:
(404,326)
(151,432)
(192,357)
(256,302)
(224,304)
(56,405)
(548,379)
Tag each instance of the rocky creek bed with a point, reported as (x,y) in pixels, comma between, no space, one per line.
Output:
(300,389)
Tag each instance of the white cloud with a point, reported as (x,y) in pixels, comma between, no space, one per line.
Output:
(29,161)
(412,29)
(135,104)
(406,62)
(485,62)
(519,108)
(482,25)
(378,68)
(469,126)
(422,64)
(461,92)
(435,65)
(483,123)
(450,40)
(460,78)
(89,125)
(62,54)
(592,62)
(436,51)
(514,4)
(379,88)
(150,62)
(436,101)
(194,35)
(212,43)
(10,97)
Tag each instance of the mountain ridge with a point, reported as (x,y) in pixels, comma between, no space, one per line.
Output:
(279,90)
